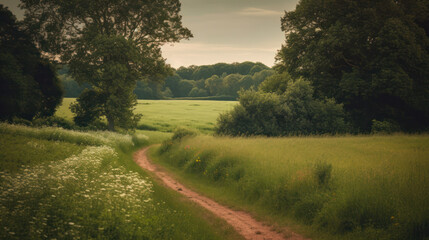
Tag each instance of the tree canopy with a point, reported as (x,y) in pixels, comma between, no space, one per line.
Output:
(372,56)
(108,44)
(28,83)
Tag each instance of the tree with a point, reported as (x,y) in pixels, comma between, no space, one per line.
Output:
(231,84)
(186,73)
(214,85)
(172,82)
(184,87)
(29,86)
(276,83)
(372,56)
(259,77)
(244,67)
(148,90)
(246,82)
(110,44)
(202,72)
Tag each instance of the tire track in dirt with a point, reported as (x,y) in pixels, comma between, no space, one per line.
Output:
(242,222)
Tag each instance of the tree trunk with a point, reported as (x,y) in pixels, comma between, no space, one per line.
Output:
(110,123)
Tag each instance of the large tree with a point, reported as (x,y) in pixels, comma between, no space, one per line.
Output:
(110,44)
(29,86)
(372,56)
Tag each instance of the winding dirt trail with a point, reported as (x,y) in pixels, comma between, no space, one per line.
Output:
(242,222)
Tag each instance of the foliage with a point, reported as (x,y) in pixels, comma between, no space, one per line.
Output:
(206,71)
(53,121)
(360,187)
(178,86)
(384,127)
(276,83)
(178,134)
(110,45)
(149,90)
(291,112)
(29,85)
(371,56)
(217,79)
(181,132)
(87,108)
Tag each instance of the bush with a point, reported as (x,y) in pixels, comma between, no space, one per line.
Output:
(54,121)
(322,173)
(386,127)
(180,133)
(294,112)
(21,121)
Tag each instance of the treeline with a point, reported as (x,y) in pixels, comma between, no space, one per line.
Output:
(220,80)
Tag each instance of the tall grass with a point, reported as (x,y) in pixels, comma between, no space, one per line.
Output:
(76,185)
(369,186)
(94,138)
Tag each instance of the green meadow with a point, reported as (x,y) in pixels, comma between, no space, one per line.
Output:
(62,184)
(166,115)
(325,187)
(345,187)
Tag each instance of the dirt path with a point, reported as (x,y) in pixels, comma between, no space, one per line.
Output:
(243,223)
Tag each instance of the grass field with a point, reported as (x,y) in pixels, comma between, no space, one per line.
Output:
(345,187)
(166,115)
(61,184)
(355,187)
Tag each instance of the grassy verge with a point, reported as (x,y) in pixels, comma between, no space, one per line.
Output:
(59,184)
(365,187)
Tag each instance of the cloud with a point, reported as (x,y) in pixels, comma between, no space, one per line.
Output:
(259,12)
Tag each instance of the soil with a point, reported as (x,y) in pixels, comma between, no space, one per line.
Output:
(241,221)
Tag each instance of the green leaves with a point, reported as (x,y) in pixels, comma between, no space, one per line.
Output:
(29,86)
(109,44)
(291,112)
(368,55)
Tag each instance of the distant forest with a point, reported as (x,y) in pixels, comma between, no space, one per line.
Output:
(220,81)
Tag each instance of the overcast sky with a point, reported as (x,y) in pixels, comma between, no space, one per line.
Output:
(225,31)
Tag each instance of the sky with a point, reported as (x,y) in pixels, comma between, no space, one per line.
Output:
(224,31)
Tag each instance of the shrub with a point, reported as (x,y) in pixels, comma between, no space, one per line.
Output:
(322,173)
(294,112)
(178,135)
(181,132)
(21,121)
(386,127)
(54,121)
(222,169)
(307,209)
